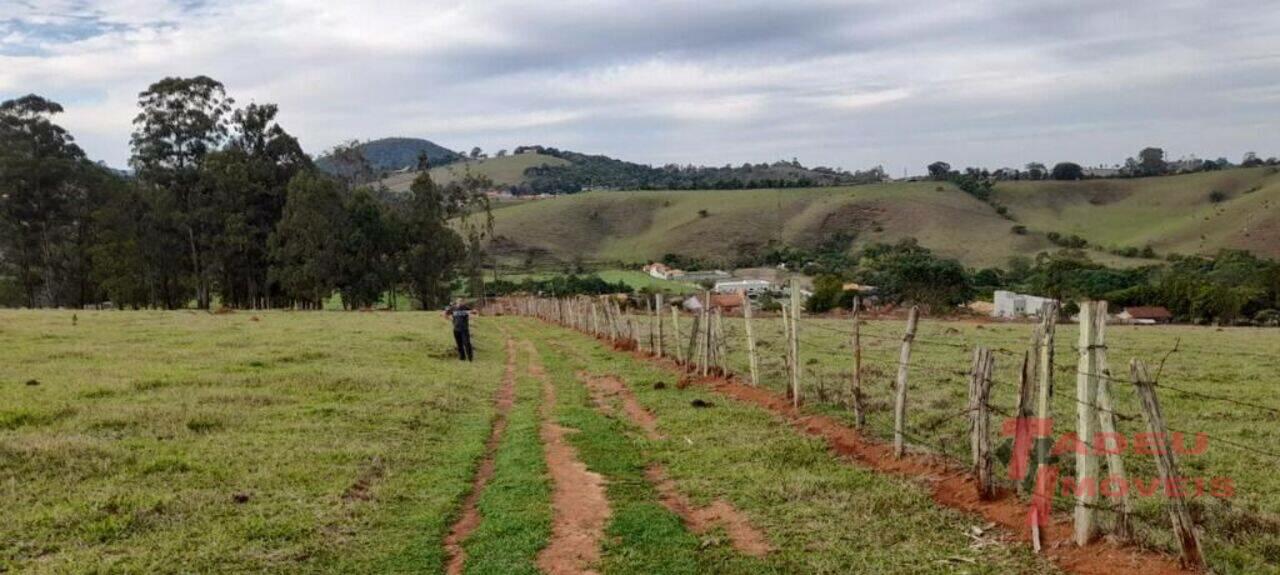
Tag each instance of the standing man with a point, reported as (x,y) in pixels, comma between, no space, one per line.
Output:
(460,313)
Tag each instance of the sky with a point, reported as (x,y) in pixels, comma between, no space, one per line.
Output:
(849,84)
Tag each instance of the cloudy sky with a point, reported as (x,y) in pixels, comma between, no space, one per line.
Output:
(850,84)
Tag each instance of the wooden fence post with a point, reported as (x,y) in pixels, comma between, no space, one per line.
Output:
(1023,443)
(855,391)
(984,466)
(690,352)
(722,352)
(1044,393)
(795,342)
(1115,463)
(675,335)
(1167,463)
(900,400)
(971,410)
(753,362)
(786,346)
(1093,319)
(708,343)
(657,319)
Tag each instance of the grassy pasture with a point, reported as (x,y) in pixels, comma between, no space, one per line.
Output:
(504,171)
(1172,214)
(345,442)
(1242,533)
(183,441)
(145,442)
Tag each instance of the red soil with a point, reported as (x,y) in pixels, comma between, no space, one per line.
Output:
(745,537)
(470,517)
(954,487)
(581,509)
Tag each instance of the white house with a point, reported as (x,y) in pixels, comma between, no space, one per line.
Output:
(662,271)
(1015,305)
(752,287)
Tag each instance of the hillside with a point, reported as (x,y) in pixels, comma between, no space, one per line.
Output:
(507,171)
(391,154)
(1171,214)
(595,172)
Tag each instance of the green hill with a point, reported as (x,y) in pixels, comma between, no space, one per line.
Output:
(506,171)
(391,154)
(1171,214)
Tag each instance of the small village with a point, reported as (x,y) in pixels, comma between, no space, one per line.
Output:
(728,292)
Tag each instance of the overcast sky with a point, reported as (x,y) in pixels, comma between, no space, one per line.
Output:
(849,84)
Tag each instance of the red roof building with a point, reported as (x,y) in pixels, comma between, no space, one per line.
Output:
(1146,314)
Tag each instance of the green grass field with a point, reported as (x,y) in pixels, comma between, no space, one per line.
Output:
(144,442)
(1241,533)
(1172,214)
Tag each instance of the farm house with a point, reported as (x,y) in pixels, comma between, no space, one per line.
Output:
(1010,305)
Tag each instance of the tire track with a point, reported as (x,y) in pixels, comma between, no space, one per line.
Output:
(469,519)
(580,507)
(744,537)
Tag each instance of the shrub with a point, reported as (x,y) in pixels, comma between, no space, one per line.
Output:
(1217,196)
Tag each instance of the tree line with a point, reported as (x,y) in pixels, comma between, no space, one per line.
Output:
(588,171)
(1150,161)
(1232,287)
(222,205)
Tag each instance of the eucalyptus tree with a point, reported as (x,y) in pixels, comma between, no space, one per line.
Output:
(41,184)
(181,121)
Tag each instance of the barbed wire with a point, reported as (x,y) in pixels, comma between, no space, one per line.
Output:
(778,365)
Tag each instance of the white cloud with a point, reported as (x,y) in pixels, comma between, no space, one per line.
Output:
(837,83)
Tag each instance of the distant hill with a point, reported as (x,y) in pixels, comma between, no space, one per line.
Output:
(506,171)
(1178,214)
(394,154)
(544,170)
(588,172)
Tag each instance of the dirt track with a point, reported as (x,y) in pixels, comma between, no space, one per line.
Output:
(581,510)
(469,518)
(745,538)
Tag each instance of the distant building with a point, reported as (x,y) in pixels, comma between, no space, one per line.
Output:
(1102,172)
(1015,305)
(725,302)
(752,287)
(1146,315)
(662,271)
(859,288)
(709,275)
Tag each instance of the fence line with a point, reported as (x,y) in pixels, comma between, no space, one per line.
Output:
(708,349)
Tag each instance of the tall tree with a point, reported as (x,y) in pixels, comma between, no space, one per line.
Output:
(41,169)
(182,121)
(1068,171)
(247,184)
(368,267)
(433,249)
(1151,161)
(307,246)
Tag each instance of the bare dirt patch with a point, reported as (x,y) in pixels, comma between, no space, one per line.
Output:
(605,389)
(746,539)
(469,519)
(362,488)
(578,500)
